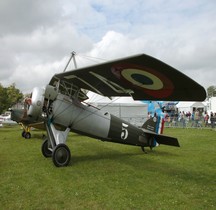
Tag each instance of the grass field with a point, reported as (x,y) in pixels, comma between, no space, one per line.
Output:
(109,176)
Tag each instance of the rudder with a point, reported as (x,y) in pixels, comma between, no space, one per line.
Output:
(154,124)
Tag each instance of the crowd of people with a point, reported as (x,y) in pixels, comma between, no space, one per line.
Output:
(188,119)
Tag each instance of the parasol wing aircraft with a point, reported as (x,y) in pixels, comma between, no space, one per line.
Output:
(61,108)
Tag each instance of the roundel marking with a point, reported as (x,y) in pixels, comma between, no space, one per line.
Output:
(142,79)
(148,80)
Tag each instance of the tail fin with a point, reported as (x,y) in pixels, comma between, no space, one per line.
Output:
(154,124)
(154,127)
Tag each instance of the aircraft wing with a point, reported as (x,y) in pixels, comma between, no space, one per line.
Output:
(141,77)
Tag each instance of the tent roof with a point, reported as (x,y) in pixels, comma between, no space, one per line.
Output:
(190,104)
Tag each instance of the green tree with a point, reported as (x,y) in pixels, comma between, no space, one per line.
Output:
(3,99)
(9,96)
(14,94)
(211,91)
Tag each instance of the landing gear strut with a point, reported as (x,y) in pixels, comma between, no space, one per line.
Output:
(54,146)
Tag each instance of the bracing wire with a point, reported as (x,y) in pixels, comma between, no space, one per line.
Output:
(91,58)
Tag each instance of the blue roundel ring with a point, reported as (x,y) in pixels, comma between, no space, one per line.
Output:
(142,79)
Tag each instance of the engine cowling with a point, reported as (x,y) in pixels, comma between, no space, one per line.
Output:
(35,103)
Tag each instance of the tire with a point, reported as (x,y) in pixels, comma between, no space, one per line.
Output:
(61,155)
(23,134)
(44,149)
(27,135)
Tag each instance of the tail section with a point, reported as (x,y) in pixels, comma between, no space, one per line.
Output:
(154,128)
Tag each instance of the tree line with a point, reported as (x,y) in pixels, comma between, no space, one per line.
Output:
(211,91)
(11,95)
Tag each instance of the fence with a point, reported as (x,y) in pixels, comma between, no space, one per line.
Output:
(187,123)
(172,122)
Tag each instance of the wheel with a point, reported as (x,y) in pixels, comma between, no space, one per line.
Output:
(44,148)
(27,135)
(23,134)
(61,155)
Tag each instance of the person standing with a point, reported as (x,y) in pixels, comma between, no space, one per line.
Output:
(212,119)
(196,118)
(182,119)
(206,118)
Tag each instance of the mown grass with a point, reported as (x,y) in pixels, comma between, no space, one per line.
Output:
(104,175)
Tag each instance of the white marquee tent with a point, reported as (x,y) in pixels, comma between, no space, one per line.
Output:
(191,106)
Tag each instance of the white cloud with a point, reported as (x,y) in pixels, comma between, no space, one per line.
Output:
(36,37)
(24,16)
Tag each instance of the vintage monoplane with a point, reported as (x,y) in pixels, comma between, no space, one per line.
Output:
(61,108)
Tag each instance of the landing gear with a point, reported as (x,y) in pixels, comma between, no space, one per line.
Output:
(54,146)
(27,135)
(45,149)
(56,138)
(61,155)
(26,132)
(23,134)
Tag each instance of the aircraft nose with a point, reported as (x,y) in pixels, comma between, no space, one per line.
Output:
(17,115)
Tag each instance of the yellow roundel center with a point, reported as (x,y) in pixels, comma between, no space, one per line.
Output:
(142,79)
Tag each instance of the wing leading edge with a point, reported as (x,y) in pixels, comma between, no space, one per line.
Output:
(141,76)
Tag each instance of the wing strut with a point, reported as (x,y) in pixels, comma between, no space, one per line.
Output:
(74,61)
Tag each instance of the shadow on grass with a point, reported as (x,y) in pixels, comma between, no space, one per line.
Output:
(102,156)
(168,163)
(120,156)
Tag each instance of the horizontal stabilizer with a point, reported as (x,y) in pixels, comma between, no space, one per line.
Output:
(162,139)
(167,140)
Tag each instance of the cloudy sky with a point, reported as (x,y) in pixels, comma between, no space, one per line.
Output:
(37,36)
